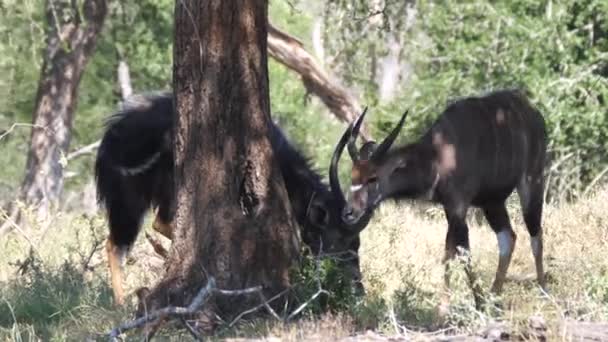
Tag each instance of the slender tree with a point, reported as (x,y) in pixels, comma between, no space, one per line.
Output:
(72,31)
(233,220)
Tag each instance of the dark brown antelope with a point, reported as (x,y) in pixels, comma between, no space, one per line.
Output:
(475,154)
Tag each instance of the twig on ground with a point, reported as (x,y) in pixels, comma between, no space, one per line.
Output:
(199,300)
(191,330)
(399,330)
(319,286)
(268,307)
(305,304)
(209,289)
(257,307)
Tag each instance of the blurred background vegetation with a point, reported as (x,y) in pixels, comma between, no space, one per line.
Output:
(391,54)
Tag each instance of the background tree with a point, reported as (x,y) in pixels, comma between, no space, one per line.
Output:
(454,50)
(72,33)
(233,220)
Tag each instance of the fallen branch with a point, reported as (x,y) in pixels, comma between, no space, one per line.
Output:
(174,311)
(209,289)
(257,307)
(191,330)
(306,303)
(177,311)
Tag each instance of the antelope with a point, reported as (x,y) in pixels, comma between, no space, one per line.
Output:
(476,153)
(134,172)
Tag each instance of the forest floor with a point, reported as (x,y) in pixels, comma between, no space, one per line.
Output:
(53,282)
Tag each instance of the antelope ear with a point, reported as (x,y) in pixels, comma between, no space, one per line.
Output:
(318,215)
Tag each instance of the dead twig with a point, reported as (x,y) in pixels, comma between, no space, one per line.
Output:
(306,303)
(90,148)
(320,289)
(191,330)
(257,307)
(210,289)
(97,245)
(175,311)
(19,124)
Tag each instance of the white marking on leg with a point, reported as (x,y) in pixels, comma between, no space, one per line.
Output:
(537,244)
(356,188)
(505,242)
(122,254)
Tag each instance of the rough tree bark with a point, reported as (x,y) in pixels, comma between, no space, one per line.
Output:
(290,52)
(233,220)
(72,31)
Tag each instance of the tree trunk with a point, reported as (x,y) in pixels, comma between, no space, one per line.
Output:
(72,32)
(233,220)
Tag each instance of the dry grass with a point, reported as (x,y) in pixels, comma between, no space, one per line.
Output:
(404,247)
(64,295)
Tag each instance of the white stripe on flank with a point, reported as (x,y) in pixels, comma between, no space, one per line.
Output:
(505,242)
(356,187)
(131,171)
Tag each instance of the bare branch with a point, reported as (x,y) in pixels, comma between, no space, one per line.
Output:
(19,124)
(250,290)
(306,303)
(96,246)
(192,331)
(199,300)
(257,307)
(124,79)
(290,52)
(90,148)
(176,311)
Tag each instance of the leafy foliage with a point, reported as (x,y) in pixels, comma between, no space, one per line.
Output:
(557,50)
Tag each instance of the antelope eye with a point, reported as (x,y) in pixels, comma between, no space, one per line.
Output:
(373,179)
